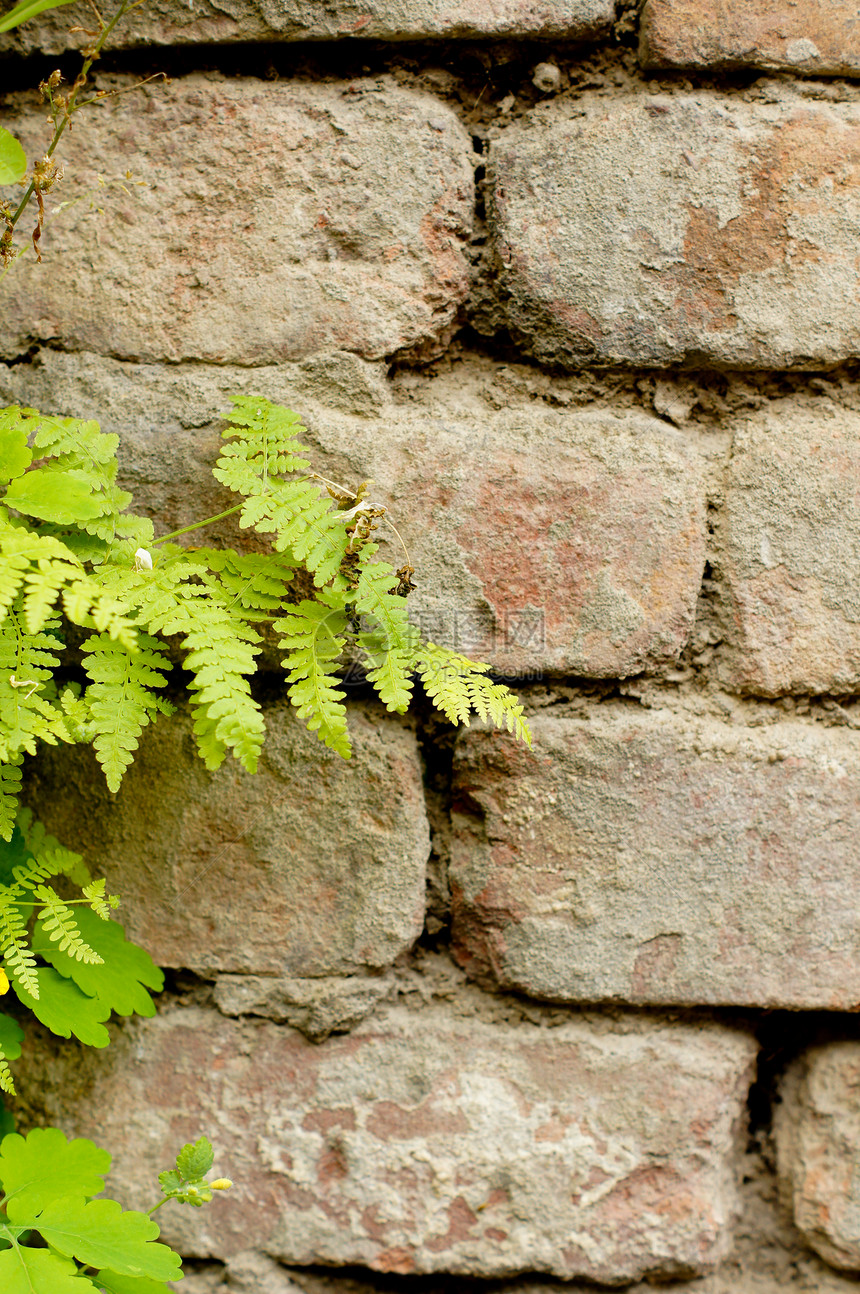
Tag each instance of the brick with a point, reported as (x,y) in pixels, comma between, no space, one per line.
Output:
(817,1126)
(658,859)
(679,228)
(313,866)
(789,552)
(275,220)
(430,1139)
(813,36)
(542,539)
(170,22)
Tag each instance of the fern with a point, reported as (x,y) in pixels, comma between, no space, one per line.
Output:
(70,553)
(10,789)
(58,922)
(458,687)
(120,698)
(262,445)
(15,946)
(314,638)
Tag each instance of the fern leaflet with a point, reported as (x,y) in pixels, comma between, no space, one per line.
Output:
(121,699)
(458,686)
(313,636)
(58,922)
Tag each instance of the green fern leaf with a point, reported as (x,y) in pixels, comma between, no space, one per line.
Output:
(374,597)
(253,581)
(313,638)
(262,445)
(458,687)
(10,789)
(11,1037)
(15,947)
(57,921)
(120,698)
(390,672)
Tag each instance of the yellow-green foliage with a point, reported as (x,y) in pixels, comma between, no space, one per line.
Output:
(71,553)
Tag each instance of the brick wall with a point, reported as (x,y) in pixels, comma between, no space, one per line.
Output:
(579,289)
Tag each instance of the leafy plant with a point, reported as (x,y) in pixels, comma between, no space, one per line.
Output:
(64,958)
(55,1238)
(69,552)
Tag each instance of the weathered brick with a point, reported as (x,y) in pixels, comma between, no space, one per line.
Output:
(312,866)
(429,1139)
(171,22)
(817,1124)
(653,858)
(789,551)
(542,539)
(679,228)
(275,219)
(814,36)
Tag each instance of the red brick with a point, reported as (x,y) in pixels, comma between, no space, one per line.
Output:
(679,228)
(312,866)
(275,219)
(789,550)
(429,1140)
(654,858)
(813,36)
(173,22)
(817,1123)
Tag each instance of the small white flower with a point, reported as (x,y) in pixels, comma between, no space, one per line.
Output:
(143,560)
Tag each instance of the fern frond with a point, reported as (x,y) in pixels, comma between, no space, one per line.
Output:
(58,922)
(7,1083)
(10,789)
(80,448)
(221,650)
(100,902)
(27,662)
(299,514)
(458,687)
(390,671)
(313,638)
(262,445)
(120,698)
(182,597)
(254,582)
(15,946)
(374,596)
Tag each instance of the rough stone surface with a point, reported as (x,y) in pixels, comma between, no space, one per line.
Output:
(641,857)
(813,36)
(542,539)
(818,1145)
(313,866)
(427,1141)
(318,1007)
(679,228)
(338,220)
(171,22)
(790,551)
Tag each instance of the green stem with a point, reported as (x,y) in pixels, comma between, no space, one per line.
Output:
(149,1212)
(70,107)
(210,521)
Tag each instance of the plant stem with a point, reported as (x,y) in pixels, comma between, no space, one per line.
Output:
(197,525)
(70,106)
